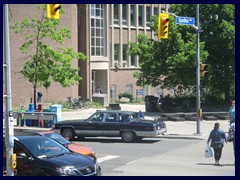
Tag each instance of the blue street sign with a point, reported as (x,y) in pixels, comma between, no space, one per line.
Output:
(185,20)
(139,91)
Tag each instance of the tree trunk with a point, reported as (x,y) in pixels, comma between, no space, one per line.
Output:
(34,97)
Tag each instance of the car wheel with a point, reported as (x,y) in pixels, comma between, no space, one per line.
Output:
(128,136)
(68,133)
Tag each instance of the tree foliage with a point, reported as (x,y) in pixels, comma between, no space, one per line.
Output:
(218,32)
(171,61)
(45,63)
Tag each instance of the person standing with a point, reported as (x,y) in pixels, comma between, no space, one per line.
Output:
(231,136)
(99,91)
(39,97)
(231,112)
(217,137)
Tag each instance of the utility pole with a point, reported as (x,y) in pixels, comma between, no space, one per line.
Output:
(198,104)
(9,137)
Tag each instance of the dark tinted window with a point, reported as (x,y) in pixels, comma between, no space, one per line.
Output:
(57,138)
(97,117)
(111,117)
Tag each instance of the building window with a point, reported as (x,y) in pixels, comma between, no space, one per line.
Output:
(129,88)
(116,52)
(124,14)
(97,30)
(116,14)
(124,52)
(133,12)
(140,16)
(113,91)
(133,61)
(148,16)
(156,11)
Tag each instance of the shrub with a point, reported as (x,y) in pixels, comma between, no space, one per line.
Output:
(127,95)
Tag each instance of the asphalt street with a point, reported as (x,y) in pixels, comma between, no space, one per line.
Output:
(182,160)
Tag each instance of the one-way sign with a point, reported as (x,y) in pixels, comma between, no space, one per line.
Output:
(185,20)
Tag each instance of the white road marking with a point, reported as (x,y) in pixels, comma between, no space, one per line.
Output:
(134,161)
(106,158)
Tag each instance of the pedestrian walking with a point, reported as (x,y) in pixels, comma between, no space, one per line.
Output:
(217,137)
(231,112)
(39,97)
(231,137)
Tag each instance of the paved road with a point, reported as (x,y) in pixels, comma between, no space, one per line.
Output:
(159,157)
(178,153)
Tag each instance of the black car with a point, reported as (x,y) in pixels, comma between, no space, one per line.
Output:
(42,156)
(111,123)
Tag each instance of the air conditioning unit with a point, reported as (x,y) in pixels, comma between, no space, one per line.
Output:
(125,64)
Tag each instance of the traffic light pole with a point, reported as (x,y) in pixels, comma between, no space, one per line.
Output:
(198,106)
(9,137)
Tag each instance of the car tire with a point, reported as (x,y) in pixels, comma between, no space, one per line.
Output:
(68,133)
(128,136)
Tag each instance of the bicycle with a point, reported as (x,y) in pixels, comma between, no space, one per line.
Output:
(69,103)
(76,103)
(82,103)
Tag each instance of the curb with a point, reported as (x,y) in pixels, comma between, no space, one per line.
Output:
(166,136)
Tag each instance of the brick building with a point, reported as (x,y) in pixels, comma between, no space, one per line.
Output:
(101,32)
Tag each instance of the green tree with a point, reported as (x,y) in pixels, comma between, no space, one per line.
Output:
(45,63)
(218,32)
(170,61)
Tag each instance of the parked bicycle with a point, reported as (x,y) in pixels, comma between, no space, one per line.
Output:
(76,103)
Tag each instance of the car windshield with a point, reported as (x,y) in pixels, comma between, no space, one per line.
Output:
(58,138)
(44,147)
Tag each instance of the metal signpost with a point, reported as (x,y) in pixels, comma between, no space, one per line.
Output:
(190,21)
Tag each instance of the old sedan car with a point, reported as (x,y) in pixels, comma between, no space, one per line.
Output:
(42,156)
(78,148)
(111,123)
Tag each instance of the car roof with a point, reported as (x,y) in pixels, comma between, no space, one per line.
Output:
(29,137)
(116,111)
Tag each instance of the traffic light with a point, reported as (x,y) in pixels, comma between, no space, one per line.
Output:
(53,11)
(163,25)
(203,72)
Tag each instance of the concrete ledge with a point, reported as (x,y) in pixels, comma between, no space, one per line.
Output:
(210,118)
(223,117)
(191,118)
(176,118)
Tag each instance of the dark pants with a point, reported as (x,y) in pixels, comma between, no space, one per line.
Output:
(39,99)
(217,153)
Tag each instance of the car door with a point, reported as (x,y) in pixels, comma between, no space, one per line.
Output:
(26,166)
(93,125)
(111,126)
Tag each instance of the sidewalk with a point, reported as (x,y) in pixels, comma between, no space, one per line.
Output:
(181,129)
